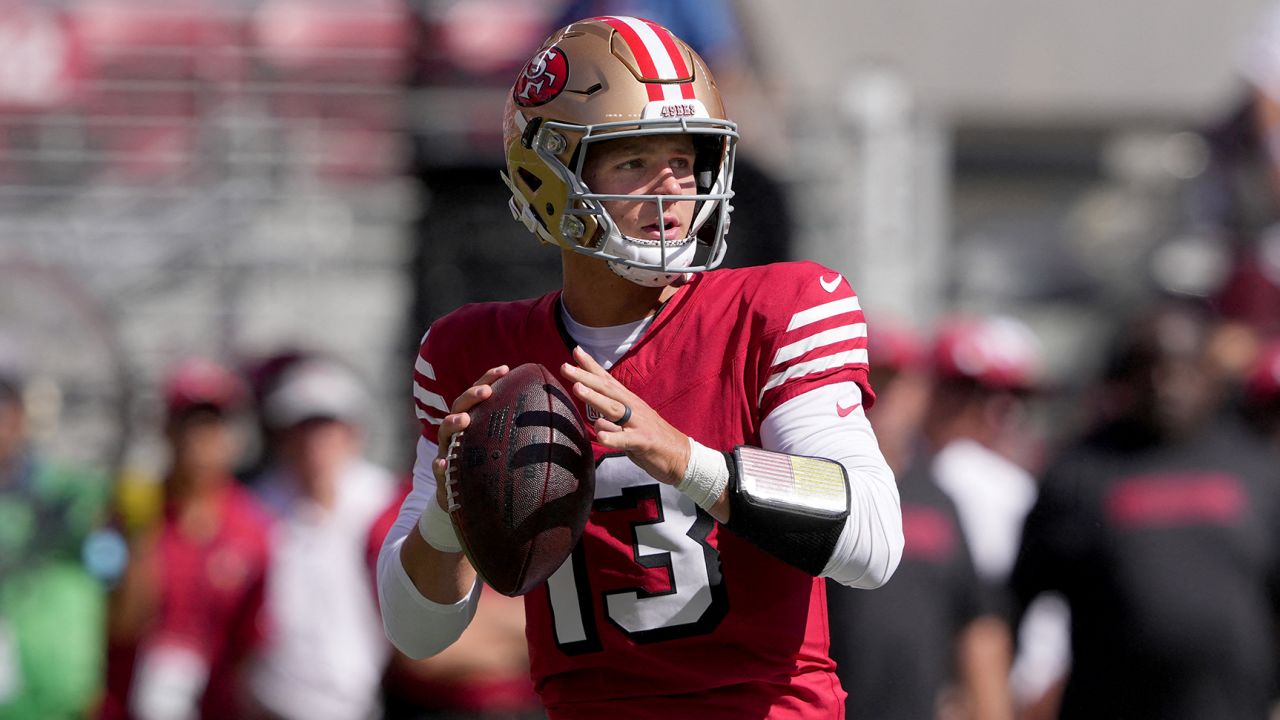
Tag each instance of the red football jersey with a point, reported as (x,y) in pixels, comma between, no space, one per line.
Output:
(208,597)
(660,609)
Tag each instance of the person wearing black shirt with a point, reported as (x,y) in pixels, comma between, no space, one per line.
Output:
(1161,529)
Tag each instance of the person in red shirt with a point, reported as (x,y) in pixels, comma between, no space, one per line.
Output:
(187,614)
(735,466)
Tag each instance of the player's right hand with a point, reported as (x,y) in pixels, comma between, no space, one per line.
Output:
(457,420)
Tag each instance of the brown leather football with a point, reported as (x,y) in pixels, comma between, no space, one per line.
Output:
(521,480)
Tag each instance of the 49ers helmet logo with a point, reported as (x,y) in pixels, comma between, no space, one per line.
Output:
(542,79)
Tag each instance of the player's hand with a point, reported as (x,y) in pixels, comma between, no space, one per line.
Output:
(458,420)
(651,442)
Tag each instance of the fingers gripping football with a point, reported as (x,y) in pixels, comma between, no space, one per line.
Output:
(456,422)
(628,423)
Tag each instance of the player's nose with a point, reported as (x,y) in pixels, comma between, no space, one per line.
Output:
(668,183)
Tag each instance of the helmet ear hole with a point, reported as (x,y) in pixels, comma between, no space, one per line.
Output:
(532,181)
(551,209)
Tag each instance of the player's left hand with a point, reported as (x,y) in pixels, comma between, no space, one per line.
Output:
(651,442)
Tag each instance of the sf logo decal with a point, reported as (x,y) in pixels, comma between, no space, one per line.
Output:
(542,79)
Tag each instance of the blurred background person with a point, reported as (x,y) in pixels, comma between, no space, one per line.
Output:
(1160,528)
(979,437)
(1241,198)
(187,615)
(325,654)
(900,377)
(483,676)
(53,570)
(262,374)
(1260,400)
(923,646)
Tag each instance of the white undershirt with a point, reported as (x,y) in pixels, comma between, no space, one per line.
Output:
(866,554)
(606,344)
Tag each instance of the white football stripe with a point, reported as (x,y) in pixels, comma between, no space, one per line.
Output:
(428,398)
(657,51)
(422,415)
(826,337)
(849,357)
(422,367)
(824,311)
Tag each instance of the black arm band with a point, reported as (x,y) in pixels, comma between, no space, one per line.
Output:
(794,530)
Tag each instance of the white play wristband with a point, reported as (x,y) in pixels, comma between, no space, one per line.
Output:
(437,528)
(706,476)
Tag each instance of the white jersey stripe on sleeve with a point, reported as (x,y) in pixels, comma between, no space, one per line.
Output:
(422,415)
(824,311)
(430,399)
(849,357)
(822,339)
(423,368)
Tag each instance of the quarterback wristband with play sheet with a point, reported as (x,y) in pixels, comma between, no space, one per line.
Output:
(436,528)
(815,487)
(791,506)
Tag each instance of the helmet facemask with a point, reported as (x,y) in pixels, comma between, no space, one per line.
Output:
(641,260)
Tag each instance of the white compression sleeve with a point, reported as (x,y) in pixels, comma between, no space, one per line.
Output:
(417,626)
(870,546)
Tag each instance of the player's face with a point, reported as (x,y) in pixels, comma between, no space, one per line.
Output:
(661,165)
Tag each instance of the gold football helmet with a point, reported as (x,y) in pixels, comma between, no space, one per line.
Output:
(607,78)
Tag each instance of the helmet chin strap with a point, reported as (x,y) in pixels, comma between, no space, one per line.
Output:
(679,256)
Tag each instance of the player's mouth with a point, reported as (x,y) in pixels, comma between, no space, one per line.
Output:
(668,230)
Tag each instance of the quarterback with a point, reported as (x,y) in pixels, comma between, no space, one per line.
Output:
(736,468)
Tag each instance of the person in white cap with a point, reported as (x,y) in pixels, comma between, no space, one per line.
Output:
(324,657)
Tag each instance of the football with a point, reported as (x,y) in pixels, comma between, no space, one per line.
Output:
(520,480)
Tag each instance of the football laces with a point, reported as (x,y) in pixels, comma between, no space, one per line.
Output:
(450,480)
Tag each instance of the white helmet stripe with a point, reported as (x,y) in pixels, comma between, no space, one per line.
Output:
(662,61)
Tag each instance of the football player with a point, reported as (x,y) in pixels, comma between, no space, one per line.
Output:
(736,467)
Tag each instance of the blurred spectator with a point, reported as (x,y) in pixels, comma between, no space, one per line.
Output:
(927,644)
(52,562)
(1261,400)
(1242,198)
(483,676)
(1160,529)
(986,369)
(325,656)
(900,651)
(901,382)
(262,374)
(187,614)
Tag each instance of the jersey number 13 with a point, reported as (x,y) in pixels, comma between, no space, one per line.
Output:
(668,533)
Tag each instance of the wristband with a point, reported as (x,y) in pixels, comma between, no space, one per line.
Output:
(436,528)
(706,476)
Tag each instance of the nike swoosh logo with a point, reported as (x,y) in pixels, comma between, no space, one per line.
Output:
(829,285)
(843,411)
